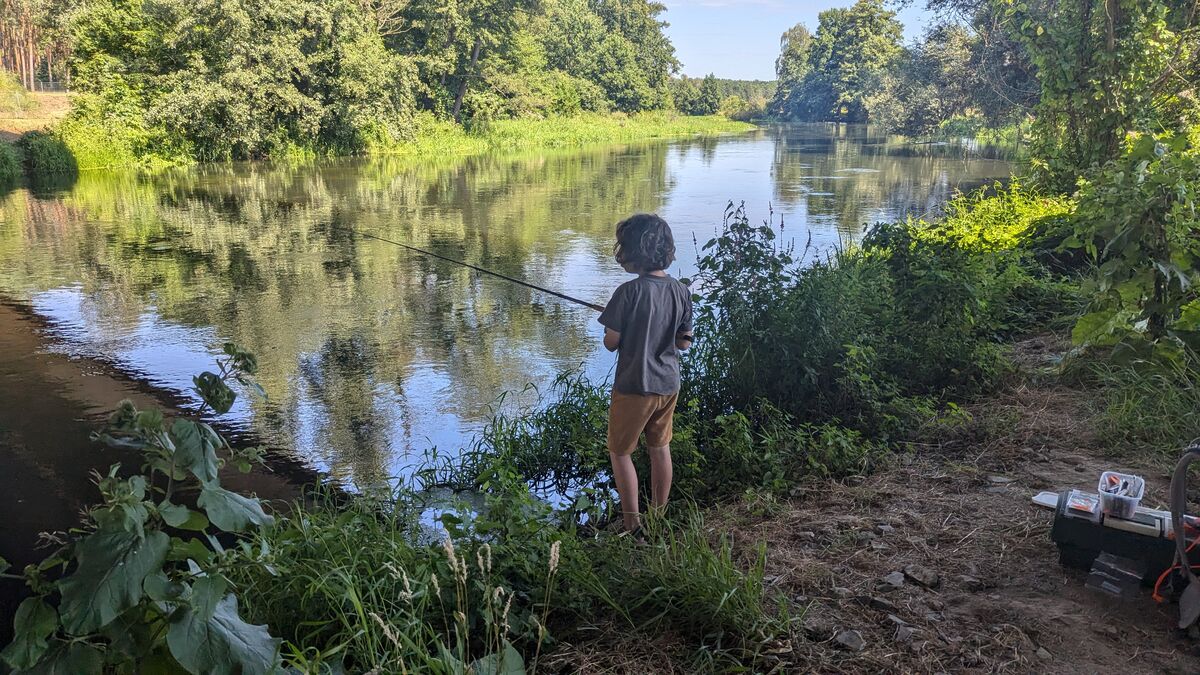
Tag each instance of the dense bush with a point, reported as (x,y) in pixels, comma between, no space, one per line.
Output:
(1137,219)
(46,154)
(873,336)
(10,164)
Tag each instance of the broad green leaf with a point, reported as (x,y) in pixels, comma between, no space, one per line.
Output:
(34,622)
(108,578)
(207,592)
(191,549)
(196,448)
(182,517)
(160,588)
(508,662)
(214,391)
(230,511)
(222,645)
(75,658)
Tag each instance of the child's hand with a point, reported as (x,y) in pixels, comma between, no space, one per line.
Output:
(612,339)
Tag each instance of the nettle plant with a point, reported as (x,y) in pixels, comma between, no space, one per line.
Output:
(142,584)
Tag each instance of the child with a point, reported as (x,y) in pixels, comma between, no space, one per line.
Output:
(647,322)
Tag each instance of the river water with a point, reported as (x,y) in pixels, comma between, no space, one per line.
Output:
(371,353)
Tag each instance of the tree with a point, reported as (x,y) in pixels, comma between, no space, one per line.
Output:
(847,58)
(931,82)
(709,101)
(790,68)
(1106,68)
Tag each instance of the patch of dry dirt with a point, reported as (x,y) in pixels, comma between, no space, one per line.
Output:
(940,563)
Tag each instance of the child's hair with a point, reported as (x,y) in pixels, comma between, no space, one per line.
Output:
(646,241)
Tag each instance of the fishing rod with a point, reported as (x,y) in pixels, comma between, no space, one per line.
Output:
(477,268)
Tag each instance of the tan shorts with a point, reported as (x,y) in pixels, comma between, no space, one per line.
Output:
(631,414)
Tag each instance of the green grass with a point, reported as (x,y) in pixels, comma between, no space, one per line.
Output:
(440,138)
(1148,407)
(14,99)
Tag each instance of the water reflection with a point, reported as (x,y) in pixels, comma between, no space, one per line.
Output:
(372,352)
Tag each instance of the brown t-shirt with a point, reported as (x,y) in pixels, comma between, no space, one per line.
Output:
(648,312)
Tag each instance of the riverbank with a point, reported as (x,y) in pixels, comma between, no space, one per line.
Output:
(997,599)
(83,144)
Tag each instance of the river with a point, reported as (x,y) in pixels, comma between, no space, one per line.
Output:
(371,353)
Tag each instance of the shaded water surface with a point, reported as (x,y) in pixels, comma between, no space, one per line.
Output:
(372,353)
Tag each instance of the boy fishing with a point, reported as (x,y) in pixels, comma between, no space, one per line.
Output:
(647,322)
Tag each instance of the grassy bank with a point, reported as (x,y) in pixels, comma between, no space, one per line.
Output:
(90,141)
(439,137)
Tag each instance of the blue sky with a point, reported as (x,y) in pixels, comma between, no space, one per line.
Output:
(740,38)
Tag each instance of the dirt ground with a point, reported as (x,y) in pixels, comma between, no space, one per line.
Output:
(49,107)
(958,515)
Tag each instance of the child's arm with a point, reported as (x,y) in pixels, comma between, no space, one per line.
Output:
(612,339)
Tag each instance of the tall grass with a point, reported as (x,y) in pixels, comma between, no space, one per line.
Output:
(14,98)
(438,137)
(1148,407)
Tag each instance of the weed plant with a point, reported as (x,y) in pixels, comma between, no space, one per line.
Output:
(1148,407)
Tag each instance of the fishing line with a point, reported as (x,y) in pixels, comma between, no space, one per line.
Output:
(477,268)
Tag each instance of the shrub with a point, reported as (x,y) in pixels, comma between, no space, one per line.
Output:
(1137,220)
(10,164)
(46,154)
(145,581)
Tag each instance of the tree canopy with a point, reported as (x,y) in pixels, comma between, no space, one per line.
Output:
(247,78)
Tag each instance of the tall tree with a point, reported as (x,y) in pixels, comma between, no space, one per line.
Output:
(791,68)
(852,49)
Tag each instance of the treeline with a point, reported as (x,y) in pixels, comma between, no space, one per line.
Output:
(988,62)
(215,80)
(738,99)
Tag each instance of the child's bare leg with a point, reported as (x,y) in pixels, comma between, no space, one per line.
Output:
(661,474)
(626,479)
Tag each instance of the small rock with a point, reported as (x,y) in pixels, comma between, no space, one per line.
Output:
(905,633)
(897,620)
(806,536)
(1110,631)
(922,575)
(893,581)
(996,490)
(876,602)
(879,546)
(1043,654)
(840,592)
(934,617)
(884,528)
(851,640)
(865,536)
(817,628)
(970,583)
(1000,480)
